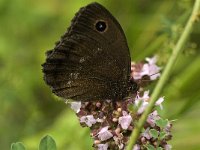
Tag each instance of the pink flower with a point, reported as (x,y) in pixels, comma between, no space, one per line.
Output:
(145,97)
(168,147)
(118,142)
(159,102)
(150,68)
(99,120)
(76,106)
(167,128)
(88,120)
(136,147)
(102,146)
(121,146)
(146,134)
(116,139)
(104,134)
(125,120)
(142,107)
(152,60)
(152,118)
(142,102)
(136,71)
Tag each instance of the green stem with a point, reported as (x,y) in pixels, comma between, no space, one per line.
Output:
(165,75)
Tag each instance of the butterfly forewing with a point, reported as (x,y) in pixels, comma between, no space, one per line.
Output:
(91,61)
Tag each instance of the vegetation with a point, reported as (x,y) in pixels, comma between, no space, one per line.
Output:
(29,28)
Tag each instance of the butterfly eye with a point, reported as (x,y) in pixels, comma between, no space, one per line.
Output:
(101,26)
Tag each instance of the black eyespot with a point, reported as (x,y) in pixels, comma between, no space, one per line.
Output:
(100,26)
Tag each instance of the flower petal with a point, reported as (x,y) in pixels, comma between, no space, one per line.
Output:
(136,147)
(104,134)
(102,146)
(76,106)
(125,120)
(88,120)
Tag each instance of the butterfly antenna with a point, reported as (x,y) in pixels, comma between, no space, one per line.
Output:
(146,80)
(154,73)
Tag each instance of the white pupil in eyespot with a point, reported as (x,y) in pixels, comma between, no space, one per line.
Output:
(101,26)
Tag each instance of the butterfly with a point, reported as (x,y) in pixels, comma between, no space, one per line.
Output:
(92,59)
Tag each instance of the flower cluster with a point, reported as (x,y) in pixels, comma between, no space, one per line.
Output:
(145,69)
(111,122)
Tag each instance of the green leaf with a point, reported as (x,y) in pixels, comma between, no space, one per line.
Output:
(17,146)
(162,135)
(150,147)
(47,143)
(162,123)
(143,130)
(131,108)
(159,148)
(154,133)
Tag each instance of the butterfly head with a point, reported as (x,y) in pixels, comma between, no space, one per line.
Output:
(133,86)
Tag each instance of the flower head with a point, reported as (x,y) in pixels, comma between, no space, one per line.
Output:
(159,102)
(146,134)
(125,120)
(150,69)
(104,134)
(142,102)
(88,120)
(152,118)
(111,122)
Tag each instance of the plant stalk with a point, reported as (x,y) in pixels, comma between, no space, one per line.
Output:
(165,75)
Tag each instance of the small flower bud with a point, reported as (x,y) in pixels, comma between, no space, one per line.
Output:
(119,109)
(97,142)
(98,104)
(143,140)
(114,119)
(117,131)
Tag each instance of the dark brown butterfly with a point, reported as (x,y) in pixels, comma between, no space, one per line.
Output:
(92,60)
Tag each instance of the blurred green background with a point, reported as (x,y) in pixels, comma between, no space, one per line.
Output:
(28,28)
